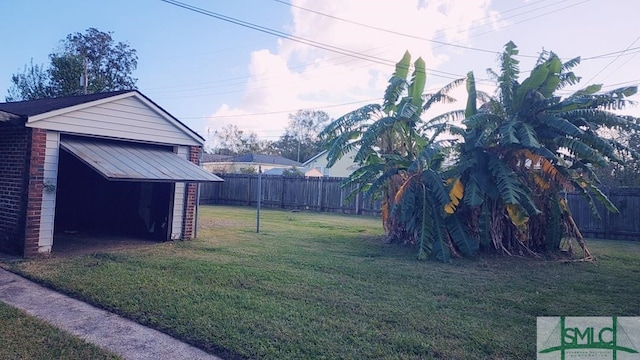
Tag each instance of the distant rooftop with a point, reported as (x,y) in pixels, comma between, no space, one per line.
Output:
(250,158)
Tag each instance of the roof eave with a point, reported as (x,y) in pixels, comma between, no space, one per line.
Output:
(12,118)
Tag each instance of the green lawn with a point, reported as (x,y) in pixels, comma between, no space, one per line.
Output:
(24,337)
(315,286)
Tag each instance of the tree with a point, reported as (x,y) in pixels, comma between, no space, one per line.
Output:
(32,83)
(401,160)
(231,140)
(527,146)
(626,174)
(518,152)
(300,141)
(108,67)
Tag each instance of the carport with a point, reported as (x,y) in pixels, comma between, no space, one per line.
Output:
(110,164)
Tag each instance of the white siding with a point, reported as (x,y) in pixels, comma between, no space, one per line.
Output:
(125,118)
(47,214)
(178,200)
(342,168)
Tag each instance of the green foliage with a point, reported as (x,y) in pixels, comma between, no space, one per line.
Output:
(32,83)
(530,141)
(109,66)
(293,171)
(326,286)
(400,161)
(25,337)
(231,140)
(519,151)
(300,142)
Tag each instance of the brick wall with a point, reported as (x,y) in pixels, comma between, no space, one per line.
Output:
(14,153)
(34,194)
(188,220)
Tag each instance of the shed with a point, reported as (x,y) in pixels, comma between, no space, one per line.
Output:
(109,163)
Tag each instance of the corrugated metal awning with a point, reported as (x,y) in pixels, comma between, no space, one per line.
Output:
(117,160)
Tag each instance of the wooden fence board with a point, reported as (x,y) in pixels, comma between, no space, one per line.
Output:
(296,193)
(328,195)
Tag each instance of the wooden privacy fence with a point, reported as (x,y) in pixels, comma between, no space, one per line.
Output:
(295,193)
(622,226)
(326,194)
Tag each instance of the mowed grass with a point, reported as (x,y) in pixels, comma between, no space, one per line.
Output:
(314,286)
(24,337)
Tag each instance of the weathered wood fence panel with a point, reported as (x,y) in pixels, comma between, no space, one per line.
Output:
(624,225)
(327,194)
(299,193)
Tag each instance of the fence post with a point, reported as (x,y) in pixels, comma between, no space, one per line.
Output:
(320,185)
(282,194)
(607,216)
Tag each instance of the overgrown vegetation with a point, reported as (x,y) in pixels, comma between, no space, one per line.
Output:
(514,156)
(24,337)
(313,286)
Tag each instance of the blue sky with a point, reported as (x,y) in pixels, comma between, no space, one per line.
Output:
(210,73)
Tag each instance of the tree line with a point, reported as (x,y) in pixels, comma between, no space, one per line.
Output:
(299,142)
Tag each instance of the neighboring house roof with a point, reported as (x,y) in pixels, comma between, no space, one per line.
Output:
(274,171)
(264,159)
(209,158)
(280,171)
(306,163)
(30,111)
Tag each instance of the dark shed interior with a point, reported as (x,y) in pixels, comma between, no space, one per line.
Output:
(89,204)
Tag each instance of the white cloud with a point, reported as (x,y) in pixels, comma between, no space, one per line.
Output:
(300,76)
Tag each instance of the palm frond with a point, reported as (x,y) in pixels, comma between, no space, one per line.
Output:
(505,180)
(461,239)
(527,135)
(509,73)
(348,121)
(472,95)
(564,126)
(508,133)
(416,87)
(372,134)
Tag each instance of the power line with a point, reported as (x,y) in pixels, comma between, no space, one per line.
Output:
(614,60)
(301,40)
(387,30)
(614,54)
(533,18)
(280,111)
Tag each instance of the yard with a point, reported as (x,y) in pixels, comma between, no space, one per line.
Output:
(23,337)
(312,286)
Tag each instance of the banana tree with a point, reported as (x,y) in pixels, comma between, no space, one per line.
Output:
(528,146)
(400,159)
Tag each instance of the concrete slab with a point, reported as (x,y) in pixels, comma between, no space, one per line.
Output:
(107,330)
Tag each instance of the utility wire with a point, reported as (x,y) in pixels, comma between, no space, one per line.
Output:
(531,18)
(614,60)
(280,111)
(387,30)
(442,43)
(301,40)
(385,61)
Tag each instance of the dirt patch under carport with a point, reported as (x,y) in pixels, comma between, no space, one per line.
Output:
(73,244)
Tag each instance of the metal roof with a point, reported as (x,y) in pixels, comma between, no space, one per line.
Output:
(118,160)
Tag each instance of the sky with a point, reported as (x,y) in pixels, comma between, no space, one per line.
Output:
(330,55)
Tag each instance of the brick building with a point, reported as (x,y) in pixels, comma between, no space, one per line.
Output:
(110,163)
